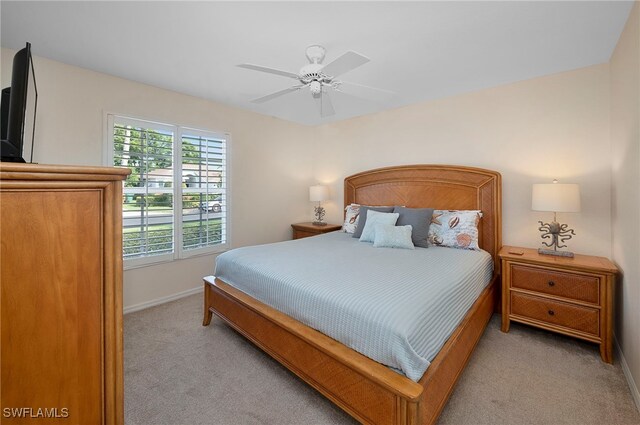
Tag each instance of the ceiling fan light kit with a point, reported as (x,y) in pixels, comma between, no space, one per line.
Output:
(318,77)
(315,87)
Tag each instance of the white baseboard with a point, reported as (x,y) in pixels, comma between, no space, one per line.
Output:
(627,374)
(162,300)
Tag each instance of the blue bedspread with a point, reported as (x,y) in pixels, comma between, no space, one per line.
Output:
(395,306)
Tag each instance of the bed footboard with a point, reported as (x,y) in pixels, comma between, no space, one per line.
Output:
(367,390)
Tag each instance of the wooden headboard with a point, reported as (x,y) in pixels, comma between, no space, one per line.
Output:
(443,187)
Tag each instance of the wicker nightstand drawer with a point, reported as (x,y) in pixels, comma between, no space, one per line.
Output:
(567,285)
(299,234)
(305,230)
(572,317)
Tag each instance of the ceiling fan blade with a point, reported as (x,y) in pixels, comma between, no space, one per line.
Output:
(268,70)
(364,92)
(324,103)
(344,63)
(276,94)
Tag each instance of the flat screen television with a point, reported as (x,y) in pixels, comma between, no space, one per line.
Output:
(18,102)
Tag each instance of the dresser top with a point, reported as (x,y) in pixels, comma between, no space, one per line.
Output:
(585,262)
(18,171)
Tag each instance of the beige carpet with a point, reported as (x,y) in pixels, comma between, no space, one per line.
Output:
(178,372)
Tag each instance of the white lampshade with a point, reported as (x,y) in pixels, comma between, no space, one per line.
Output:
(318,193)
(555,197)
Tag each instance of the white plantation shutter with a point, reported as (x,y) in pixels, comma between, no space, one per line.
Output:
(204,189)
(175,202)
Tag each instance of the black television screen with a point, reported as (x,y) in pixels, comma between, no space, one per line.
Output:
(17,103)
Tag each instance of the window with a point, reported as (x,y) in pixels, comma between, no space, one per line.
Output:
(175,201)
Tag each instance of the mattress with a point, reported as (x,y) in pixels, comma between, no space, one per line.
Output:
(395,306)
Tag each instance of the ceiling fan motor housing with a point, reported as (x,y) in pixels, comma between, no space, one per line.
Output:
(313,72)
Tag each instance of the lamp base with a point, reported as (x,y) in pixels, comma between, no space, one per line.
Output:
(319,216)
(543,251)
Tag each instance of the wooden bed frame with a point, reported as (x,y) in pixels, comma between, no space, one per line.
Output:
(367,390)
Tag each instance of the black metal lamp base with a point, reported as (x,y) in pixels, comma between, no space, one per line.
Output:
(558,233)
(543,251)
(319,216)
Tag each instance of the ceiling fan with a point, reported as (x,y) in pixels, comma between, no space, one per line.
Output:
(320,79)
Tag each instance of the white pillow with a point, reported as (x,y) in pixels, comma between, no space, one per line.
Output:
(389,236)
(374,218)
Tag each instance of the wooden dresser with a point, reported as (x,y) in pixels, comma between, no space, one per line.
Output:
(61,294)
(304,230)
(572,296)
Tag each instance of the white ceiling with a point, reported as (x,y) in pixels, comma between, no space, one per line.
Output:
(420,50)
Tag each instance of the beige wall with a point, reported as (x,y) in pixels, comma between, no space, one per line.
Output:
(532,131)
(625,205)
(270,158)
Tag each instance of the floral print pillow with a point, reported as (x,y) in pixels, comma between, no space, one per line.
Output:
(455,229)
(351,218)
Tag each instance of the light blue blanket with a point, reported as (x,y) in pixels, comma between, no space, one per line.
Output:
(395,306)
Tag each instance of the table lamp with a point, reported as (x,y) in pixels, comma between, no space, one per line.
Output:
(319,193)
(555,197)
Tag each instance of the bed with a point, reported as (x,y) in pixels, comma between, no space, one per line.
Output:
(368,390)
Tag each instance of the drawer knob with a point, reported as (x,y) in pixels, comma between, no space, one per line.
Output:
(551,312)
(552,283)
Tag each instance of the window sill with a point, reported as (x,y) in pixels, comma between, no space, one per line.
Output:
(133,264)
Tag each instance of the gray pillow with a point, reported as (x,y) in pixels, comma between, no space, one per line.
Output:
(419,219)
(362,218)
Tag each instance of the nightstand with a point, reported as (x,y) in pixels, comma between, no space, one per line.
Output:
(304,230)
(571,296)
